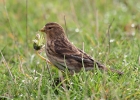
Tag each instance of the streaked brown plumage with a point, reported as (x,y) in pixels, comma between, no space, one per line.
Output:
(63,54)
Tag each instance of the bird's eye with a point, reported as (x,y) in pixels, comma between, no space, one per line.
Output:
(49,27)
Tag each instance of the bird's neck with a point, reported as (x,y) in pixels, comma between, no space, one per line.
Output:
(54,37)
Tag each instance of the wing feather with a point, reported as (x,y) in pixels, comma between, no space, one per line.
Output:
(74,56)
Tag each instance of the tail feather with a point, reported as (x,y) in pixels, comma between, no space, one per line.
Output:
(108,69)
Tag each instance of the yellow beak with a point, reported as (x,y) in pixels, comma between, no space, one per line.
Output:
(43,29)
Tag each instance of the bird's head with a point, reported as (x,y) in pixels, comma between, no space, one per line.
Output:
(53,30)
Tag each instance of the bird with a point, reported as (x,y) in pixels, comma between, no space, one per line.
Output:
(64,55)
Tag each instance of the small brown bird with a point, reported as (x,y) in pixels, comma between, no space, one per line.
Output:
(64,55)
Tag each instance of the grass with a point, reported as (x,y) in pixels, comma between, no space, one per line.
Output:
(23,75)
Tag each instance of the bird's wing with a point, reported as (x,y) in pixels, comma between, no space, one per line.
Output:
(65,49)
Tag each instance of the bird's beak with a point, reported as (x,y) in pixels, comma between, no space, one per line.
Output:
(42,30)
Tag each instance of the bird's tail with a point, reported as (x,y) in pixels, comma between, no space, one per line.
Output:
(108,69)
